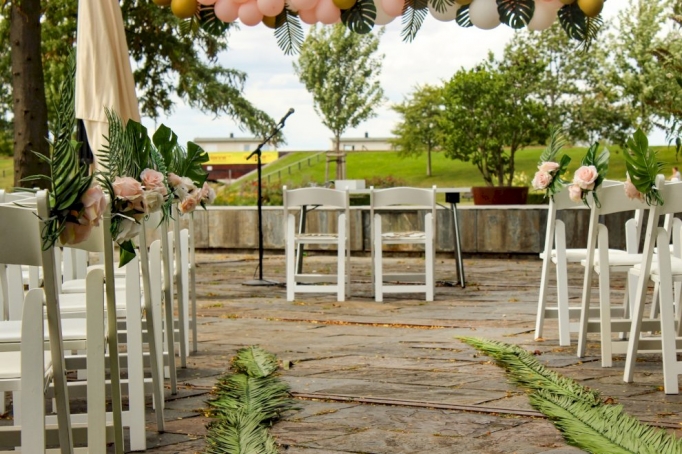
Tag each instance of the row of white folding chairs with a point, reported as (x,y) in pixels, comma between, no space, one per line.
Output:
(338,200)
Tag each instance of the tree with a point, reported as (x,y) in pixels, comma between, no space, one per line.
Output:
(340,69)
(574,84)
(171,57)
(489,115)
(418,130)
(28,95)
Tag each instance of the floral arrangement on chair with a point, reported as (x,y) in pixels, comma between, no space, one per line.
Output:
(76,204)
(642,169)
(548,176)
(134,174)
(590,175)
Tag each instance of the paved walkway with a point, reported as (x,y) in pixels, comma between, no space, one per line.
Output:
(391,377)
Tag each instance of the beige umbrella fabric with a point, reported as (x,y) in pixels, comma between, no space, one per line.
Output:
(104,76)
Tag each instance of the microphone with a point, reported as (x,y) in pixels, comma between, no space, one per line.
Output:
(286,115)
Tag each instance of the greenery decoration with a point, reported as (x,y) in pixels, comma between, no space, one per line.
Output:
(557,141)
(643,167)
(578,26)
(441,5)
(578,412)
(516,13)
(463,19)
(288,32)
(69,179)
(601,164)
(413,17)
(246,403)
(360,17)
(185,162)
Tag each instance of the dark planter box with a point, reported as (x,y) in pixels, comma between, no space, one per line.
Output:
(506,195)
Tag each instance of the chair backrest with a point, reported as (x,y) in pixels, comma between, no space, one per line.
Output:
(9,197)
(671,193)
(612,199)
(19,236)
(315,196)
(403,196)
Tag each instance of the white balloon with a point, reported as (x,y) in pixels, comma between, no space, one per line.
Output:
(483,14)
(382,17)
(543,17)
(449,14)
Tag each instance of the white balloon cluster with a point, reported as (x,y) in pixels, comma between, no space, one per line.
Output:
(484,14)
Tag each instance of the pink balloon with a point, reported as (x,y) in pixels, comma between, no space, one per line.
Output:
(303,4)
(382,17)
(543,17)
(308,16)
(270,7)
(327,12)
(249,14)
(226,10)
(207,2)
(393,7)
(239,2)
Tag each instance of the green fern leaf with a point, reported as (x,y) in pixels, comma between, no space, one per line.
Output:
(441,5)
(255,362)
(288,32)
(414,14)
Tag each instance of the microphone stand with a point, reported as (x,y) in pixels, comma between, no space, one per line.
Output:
(260,281)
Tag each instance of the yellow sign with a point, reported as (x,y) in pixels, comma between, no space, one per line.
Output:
(220,158)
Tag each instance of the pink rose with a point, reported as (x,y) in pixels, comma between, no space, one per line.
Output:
(189,203)
(94,204)
(631,191)
(74,233)
(173,179)
(207,194)
(153,181)
(127,188)
(153,201)
(541,180)
(585,177)
(548,166)
(128,229)
(575,193)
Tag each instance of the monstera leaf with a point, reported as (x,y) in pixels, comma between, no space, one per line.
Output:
(463,19)
(643,167)
(360,17)
(516,13)
(577,25)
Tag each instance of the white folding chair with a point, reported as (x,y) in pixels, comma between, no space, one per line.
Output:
(423,233)
(338,201)
(605,261)
(556,252)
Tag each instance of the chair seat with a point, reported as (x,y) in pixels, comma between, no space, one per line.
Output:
(10,365)
(317,237)
(75,302)
(675,266)
(577,255)
(72,329)
(413,235)
(78,285)
(622,260)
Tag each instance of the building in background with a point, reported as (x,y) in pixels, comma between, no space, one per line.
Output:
(228,156)
(366,143)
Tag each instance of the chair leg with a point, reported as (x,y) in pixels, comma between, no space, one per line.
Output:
(32,376)
(378,272)
(542,299)
(96,390)
(430,280)
(605,317)
(562,286)
(290,259)
(668,331)
(341,261)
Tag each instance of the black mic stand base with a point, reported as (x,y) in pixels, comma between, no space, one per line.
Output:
(260,283)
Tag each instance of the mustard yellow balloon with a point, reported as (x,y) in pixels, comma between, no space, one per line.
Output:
(162,2)
(184,9)
(567,2)
(269,21)
(463,2)
(591,8)
(344,4)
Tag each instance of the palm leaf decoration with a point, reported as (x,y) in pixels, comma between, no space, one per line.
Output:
(643,167)
(288,32)
(578,26)
(246,403)
(463,19)
(578,412)
(209,22)
(183,162)
(516,13)
(68,179)
(557,140)
(414,14)
(255,362)
(441,5)
(360,17)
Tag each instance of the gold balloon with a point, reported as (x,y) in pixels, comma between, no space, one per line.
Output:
(162,2)
(184,9)
(270,21)
(463,2)
(344,4)
(567,2)
(591,8)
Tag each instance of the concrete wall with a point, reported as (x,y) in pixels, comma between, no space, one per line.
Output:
(484,230)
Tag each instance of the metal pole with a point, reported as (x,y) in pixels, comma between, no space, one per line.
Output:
(260,223)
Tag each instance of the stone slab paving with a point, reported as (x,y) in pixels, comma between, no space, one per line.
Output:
(341,357)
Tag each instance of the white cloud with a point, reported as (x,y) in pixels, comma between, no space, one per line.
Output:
(439,50)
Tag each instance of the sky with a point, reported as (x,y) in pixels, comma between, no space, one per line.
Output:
(439,50)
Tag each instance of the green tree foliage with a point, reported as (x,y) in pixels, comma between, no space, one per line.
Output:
(418,130)
(490,114)
(341,70)
(574,85)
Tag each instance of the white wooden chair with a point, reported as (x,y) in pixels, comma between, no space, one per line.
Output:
(665,273)
(423,233)
(556,253)
(605,261)
(313,282)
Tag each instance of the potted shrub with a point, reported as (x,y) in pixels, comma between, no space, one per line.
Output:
(488,116)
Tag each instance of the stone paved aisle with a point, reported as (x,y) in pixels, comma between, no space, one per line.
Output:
(391,377)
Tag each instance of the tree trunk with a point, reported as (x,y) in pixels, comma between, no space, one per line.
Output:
(340,158)
(428,162)
(28,92)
